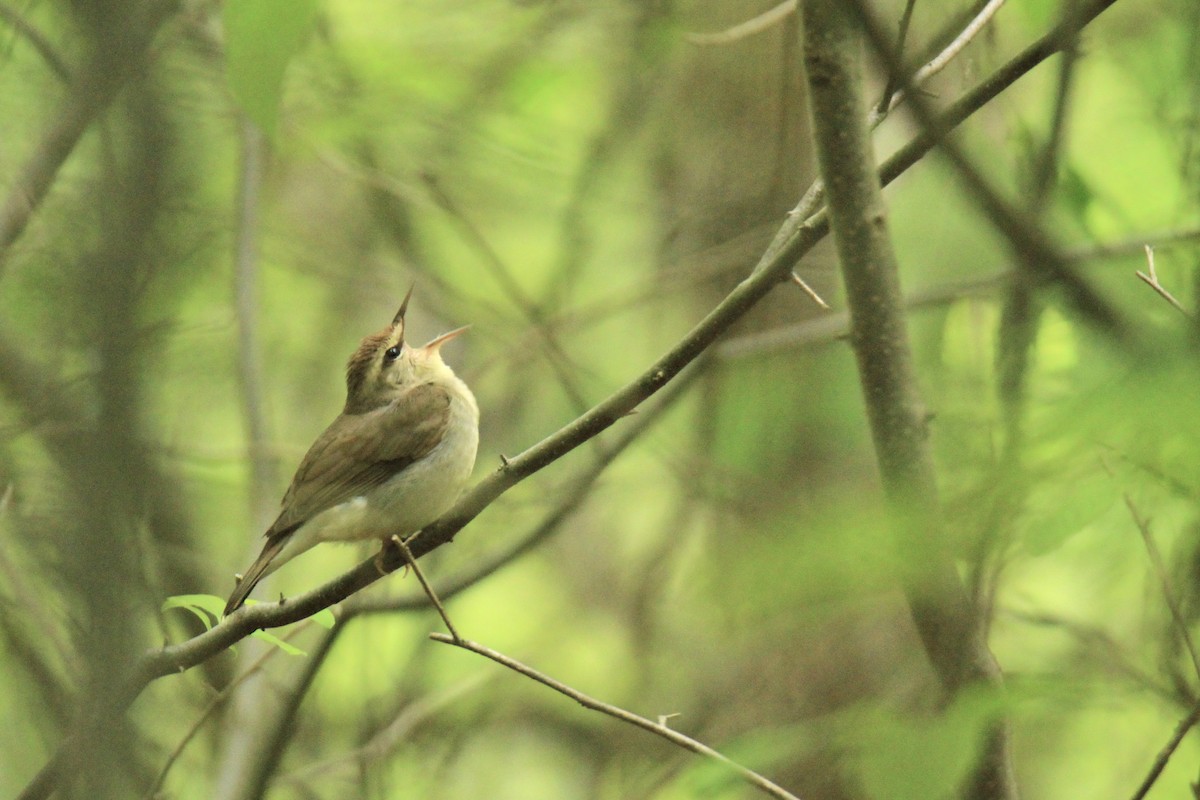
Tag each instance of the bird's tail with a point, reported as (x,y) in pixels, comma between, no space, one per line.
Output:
(258,570)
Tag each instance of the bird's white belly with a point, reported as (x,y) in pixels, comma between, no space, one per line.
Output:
(413,497)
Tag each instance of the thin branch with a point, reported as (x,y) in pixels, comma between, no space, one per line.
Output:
(938,62)
(1151,280)
(429,592)
(1164,755)
(657,728)
(742,30)
(889,90)
(1164,580)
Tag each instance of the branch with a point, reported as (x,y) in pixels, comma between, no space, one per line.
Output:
(657,728)
(936,597)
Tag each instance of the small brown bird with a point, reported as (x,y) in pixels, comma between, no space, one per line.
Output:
(393,461)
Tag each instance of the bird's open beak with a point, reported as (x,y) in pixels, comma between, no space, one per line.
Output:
(433,346)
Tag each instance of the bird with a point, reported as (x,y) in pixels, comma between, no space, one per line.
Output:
(394,460)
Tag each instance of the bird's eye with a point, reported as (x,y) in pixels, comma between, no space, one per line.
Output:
(392,353)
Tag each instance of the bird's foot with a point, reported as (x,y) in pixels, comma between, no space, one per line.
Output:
(395,541)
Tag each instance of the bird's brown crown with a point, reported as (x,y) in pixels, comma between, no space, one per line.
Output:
(366,386)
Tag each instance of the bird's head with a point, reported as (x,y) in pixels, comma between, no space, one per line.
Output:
(384,365)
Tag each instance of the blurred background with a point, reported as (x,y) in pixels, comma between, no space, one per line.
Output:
(205,207)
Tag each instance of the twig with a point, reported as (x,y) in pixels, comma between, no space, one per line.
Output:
(808,290)
(750,27)
(1164,581)
(429,592)
(657,728)
(938,62)
(889,90)
(1151,280)
(1164,755)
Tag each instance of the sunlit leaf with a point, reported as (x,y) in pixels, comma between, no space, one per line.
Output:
(261,38)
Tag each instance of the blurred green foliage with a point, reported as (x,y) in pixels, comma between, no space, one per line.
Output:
(582,183)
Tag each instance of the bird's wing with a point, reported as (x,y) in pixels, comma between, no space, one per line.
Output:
(358,452)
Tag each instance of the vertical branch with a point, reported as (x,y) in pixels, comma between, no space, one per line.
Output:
(264,478)
(936,597)
(243,749)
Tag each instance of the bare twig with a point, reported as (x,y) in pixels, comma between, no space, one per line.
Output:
(889,90)
(657,728)
(938,62)
(1151,280)
(750,27)
(1164,755)
(429,592)
(808,290)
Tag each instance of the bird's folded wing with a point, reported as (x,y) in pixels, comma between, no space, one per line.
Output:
(360,451)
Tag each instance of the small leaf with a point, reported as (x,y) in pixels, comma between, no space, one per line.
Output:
(324,618)
(261,38)
(290,649)
(207,607)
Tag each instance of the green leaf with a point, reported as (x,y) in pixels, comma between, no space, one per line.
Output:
(324,618)
(261,38)
(207,607)
(290,649)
